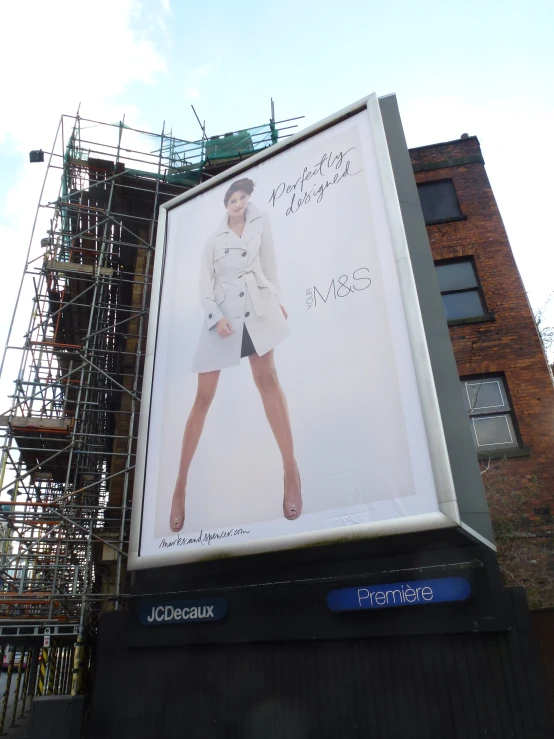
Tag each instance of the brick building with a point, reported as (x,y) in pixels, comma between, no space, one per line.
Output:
(505,378)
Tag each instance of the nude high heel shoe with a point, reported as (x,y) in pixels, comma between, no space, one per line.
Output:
(177,515)
(293,507)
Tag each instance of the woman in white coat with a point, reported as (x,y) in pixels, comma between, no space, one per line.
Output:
(243,318)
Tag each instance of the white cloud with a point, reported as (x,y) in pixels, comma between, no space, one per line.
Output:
(55,56)
(194,79)
(64,53)
(163,28)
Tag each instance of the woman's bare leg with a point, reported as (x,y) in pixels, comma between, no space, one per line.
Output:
(207,385)
(276,410)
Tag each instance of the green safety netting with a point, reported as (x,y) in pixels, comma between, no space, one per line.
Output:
(187,156)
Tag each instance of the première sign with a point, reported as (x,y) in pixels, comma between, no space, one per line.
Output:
(394,595)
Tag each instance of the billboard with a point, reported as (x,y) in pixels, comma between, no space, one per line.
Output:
(288,398)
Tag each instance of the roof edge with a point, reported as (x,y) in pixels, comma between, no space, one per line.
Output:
(442,143)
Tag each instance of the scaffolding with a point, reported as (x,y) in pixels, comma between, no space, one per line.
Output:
(69,437)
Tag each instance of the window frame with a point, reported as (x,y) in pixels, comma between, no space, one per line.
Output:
(468,319)
(495,449)
(449,219)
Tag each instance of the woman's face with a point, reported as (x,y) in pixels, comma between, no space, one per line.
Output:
(236,205)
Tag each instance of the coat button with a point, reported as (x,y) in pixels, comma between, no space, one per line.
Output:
(241,295)
(247,314)
(210,316)
(243,253)
(226,251)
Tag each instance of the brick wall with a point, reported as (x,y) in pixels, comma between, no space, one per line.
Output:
(510,344)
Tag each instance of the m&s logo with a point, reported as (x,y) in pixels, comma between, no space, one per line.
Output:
(340,288)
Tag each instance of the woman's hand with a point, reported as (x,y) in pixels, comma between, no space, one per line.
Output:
(284,311)
(224,328)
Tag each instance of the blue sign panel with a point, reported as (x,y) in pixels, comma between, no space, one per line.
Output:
(183,612)
(414,593)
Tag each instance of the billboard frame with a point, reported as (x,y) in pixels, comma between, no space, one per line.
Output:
(448,514)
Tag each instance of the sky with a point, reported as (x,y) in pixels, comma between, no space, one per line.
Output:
(485,68)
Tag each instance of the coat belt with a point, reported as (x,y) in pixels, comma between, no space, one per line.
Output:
(252,278)
(252,287)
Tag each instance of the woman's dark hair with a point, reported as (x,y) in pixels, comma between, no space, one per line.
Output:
(244,185)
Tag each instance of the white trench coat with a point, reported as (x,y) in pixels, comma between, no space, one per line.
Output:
(238,281)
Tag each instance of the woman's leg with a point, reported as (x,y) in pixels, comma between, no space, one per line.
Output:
(276,410)
(207,384)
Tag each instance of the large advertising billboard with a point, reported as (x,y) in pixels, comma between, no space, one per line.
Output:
(288,398)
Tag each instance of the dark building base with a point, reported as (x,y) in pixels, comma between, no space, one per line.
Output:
(56,717)
(470,685)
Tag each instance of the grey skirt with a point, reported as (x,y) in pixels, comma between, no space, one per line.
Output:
(247,347)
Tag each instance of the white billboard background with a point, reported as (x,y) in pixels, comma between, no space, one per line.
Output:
(346,368)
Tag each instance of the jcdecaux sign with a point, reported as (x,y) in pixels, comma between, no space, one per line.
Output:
(183,612)
(410,593)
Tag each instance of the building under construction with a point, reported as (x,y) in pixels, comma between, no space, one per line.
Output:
(68,451)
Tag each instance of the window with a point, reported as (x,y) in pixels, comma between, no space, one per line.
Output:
(461,294)
(439,201)
(490,414)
